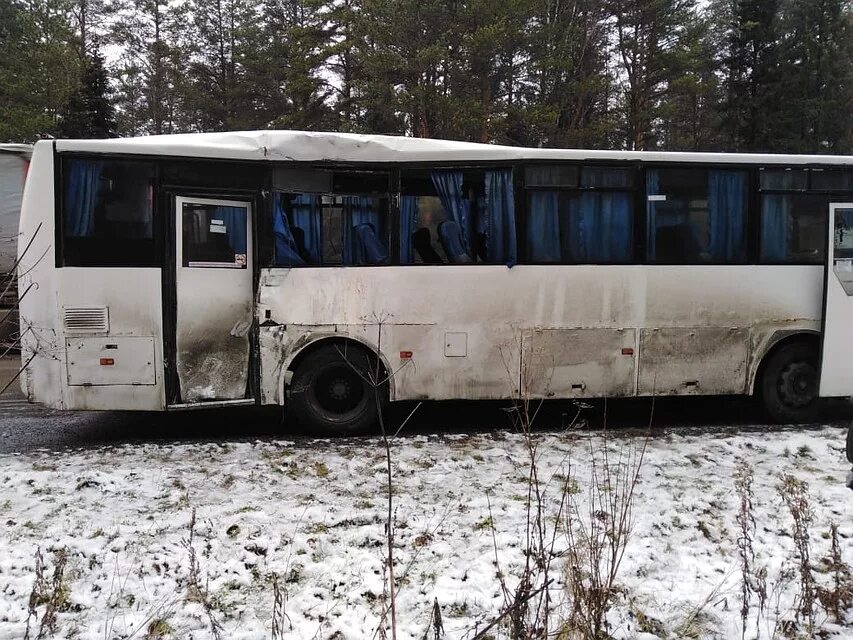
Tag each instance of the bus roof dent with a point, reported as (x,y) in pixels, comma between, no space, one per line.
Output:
(309,146)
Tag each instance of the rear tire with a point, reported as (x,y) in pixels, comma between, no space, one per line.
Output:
(332,394)
(789,384)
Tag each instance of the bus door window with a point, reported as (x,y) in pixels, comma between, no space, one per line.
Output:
(214,236)
(794,203)
(579,214)
(107,213)
(696,215)
(457,216)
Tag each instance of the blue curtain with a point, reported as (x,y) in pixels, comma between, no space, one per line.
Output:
(286,251)
(305,218)
(408,224)
(499,225)
(81,197)
(358,211)
(235,222)
(369,249)
(448,185)
(727,214)
(451,239)
(775,218)
(599,227)
(543,226)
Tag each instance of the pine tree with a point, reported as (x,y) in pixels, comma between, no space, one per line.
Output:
(39,67)
(814,95)
(283,64)
(89,112)
(653,44)
(404,73)
(152,66)
(750,67)
(564,99)
(689,113)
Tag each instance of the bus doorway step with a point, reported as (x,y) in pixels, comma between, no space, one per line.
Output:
(213,404)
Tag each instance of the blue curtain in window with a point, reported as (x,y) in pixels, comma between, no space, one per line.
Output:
(775,218)
(408,224)
(499,225)
(448,185)
(358,246)
(286,251)
(81,197)
(305,218)
(599,227)
(235,223)
(543,226)
(727,212)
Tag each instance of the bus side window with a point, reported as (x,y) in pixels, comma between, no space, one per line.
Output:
(696,216)
(579,214)
(794,205)
(107,213)
(314,230)
(457,216)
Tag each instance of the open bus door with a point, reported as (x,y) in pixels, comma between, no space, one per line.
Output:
(836,374)
(213,294)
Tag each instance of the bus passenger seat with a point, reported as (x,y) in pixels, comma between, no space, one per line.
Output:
(369,249)
(451,239)
(422,243)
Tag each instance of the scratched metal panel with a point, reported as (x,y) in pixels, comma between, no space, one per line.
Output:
(576,363)
(693,361)
(115,360)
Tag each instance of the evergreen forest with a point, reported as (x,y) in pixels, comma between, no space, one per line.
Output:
(715,75)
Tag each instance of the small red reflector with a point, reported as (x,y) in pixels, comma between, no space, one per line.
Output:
(405,355)
(107,362)
(627,351)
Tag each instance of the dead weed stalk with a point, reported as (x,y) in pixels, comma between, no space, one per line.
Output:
(753,576)
(196,591)
(795,495)
(53,594)
(598,530)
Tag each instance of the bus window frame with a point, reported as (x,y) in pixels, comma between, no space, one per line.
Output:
(392,213)
(521,199)
(808,191)
(60,160)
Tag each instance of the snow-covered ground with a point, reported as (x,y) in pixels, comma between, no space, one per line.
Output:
(311,512)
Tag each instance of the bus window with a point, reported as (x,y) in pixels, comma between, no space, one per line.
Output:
(794,204)
(313,229)
(579,215)
(457,217)
(793,226)
(696,215)
(107,213)
(214,236)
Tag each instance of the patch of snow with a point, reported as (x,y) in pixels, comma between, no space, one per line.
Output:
(312,513)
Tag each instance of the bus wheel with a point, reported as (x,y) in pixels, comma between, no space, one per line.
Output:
(332,393)
(789,384)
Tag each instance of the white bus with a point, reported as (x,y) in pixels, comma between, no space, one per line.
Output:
(275,267)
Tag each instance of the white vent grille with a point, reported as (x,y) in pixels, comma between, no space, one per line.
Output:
(86,320)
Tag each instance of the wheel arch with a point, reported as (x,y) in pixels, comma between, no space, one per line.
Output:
(777,341)
(299,355)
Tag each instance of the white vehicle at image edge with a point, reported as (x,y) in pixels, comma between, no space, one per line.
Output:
(324,271)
